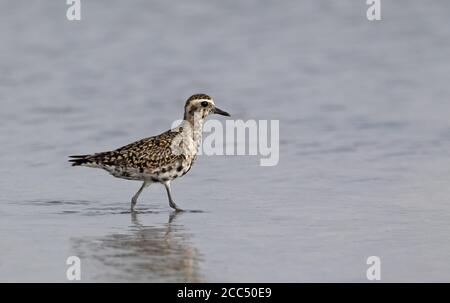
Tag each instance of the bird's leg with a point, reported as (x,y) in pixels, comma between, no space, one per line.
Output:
(171,202)
(136,196)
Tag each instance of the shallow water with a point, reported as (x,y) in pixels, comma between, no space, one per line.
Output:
(364,140)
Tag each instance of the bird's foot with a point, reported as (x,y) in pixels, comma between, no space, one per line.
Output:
(175,207)
(133,204)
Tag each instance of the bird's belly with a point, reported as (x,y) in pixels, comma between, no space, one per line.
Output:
(163,174)
(169,173)
(125,173)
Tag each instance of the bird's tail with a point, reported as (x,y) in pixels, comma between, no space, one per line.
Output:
(80,160)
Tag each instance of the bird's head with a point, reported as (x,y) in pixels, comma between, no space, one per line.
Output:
(199,106)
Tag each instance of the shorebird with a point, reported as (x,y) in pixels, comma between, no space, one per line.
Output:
(161,158)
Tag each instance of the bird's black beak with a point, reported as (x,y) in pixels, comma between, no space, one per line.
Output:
(218,111)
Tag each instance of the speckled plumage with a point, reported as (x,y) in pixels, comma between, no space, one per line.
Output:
(160,158)
(150,158)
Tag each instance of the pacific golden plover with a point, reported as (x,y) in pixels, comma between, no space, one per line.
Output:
(158,159)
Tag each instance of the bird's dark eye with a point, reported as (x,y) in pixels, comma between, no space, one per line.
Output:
(204,103)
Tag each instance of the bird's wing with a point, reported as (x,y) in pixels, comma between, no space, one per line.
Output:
(149,153)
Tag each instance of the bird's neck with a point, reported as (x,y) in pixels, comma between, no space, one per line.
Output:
(196,126)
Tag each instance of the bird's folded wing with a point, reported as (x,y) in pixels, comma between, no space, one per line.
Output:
(149,153)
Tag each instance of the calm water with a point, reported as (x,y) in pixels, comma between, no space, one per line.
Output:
(364,140)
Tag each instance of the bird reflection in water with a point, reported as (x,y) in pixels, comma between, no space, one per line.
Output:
(145,254)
